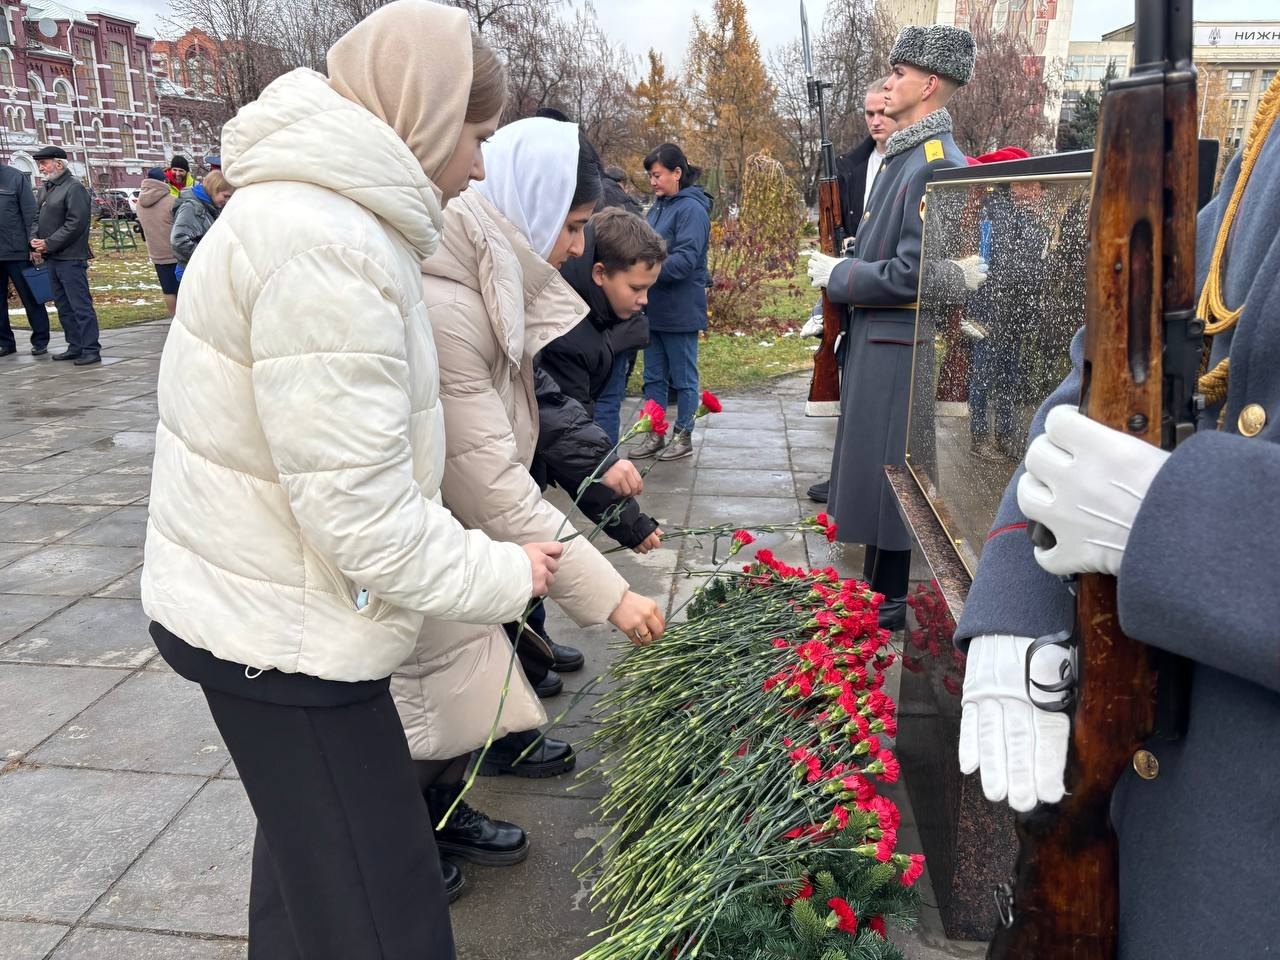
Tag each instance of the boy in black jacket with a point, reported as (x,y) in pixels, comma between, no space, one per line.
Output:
(621,259)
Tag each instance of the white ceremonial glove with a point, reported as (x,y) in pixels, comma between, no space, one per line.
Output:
(1085,482)
(975,270)
(1020,749)
(813,326)
(820,267)
(973,329)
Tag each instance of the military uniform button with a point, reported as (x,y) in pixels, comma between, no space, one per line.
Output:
(1146,765)
(867,215)
(1252,419)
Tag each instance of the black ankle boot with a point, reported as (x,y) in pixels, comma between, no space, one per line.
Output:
(568,659)
(550,758)
(470,835)
(453,882)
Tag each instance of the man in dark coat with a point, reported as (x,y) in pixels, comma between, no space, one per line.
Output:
(1191,538)
(879,283)
(17,229)
(62,238)
(620,261)
(856,172)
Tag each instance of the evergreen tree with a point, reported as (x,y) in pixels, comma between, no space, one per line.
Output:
(1081,131)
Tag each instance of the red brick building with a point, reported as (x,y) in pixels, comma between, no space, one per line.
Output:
(82,80)
(192,108)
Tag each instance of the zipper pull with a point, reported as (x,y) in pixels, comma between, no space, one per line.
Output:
(362,598)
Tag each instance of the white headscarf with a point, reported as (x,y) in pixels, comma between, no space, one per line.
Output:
(530,175)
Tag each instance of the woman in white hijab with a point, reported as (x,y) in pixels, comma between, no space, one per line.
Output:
(296,540)
(495,297)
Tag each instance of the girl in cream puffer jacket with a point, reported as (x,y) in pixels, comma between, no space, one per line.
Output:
(494,301)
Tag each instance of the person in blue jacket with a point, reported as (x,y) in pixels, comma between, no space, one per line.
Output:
(677,309)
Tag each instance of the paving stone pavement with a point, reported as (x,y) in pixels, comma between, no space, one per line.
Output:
(123,830)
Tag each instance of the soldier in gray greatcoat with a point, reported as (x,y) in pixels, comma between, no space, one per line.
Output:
(1192,538)
(879,284)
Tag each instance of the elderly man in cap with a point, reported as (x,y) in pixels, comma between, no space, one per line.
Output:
(879,283)
(62,238)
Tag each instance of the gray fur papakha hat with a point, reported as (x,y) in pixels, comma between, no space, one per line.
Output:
(947,51)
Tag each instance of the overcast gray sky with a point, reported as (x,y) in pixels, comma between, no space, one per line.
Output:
(664,24)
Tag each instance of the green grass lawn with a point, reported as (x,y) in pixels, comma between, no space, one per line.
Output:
(125,292)
(768,348)
(124,286)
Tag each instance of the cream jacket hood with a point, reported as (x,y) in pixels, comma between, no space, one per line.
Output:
(295,520)
(493,303)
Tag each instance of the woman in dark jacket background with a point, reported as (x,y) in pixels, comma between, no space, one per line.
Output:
(194,213)
(677,309)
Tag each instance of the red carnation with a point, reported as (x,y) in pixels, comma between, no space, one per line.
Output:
(653,419)
(710,404)
(741,538)
(846,919)
(913,872)
(877,924)
(886,845)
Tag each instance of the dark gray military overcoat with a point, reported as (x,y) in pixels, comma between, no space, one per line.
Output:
(879,283)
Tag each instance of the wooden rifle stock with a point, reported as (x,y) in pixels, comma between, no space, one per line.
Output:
(1064,902)
(824,385)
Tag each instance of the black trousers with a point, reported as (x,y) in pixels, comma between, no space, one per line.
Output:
(75,305)
(345,865)
(37,315)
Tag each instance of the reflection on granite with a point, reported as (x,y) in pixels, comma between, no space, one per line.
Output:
(984,365)
(970,843)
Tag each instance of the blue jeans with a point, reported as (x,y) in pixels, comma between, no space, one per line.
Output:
(608,406)
(671,360)
(75,306)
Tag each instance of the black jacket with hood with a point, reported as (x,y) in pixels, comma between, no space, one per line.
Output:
(575,367)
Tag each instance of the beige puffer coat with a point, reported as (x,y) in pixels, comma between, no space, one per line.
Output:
(155,213)
(295,518)
(493,303)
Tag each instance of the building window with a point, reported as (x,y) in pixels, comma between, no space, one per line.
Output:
(68,132)
(1239,108)
(6,67)
(119,59)
(62,93)
(1265,78)
(35,93)
(1238,79)
(87,72)
(42,131)
(166,133)
(194,68)
(1234,138)
(18,120)
(97,133)
(128,145)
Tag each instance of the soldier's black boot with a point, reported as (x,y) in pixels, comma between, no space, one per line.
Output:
(891,577)
(550,758)
(471,835)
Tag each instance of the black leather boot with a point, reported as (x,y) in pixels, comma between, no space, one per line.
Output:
(819,492)
(568,659)
(892,578)
(471,835)
(550,758)
(549,686)
(453,882)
